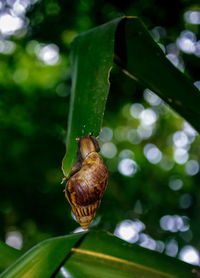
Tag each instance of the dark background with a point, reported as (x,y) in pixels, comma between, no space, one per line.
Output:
(34,104)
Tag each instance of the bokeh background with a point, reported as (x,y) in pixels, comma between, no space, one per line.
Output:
(153,155)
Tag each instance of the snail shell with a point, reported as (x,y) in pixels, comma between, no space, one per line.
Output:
(87,184)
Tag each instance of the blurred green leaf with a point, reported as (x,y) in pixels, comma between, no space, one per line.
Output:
(101,254)
(127,41)
(8,255)
(43,259)
(95,254)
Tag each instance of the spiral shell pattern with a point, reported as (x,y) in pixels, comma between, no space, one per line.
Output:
(84,215)
(85,188)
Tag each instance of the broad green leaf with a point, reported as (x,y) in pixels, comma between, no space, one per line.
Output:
(43,259)
(91,62)
(143,60)
(125,42)
(95,254)
(101,254)
(8,255)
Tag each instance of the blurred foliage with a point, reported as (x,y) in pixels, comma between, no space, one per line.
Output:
(92,254)
(34,106)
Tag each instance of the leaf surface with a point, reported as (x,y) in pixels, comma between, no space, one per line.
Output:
(43,259)
(143,60)
(91,62)
(125,42)
(101,254)
(8,255)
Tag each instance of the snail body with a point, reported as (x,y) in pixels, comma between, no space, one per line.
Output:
(88,181)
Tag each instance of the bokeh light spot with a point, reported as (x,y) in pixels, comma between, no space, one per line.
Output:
(133,137)
(151,97)
(175,184)
(144,132)
(185,201)
(192,17)
(180,155)
(136,109)
(147,242)
(126,154)
(166,163)
(49,54)
(174,223)
(160,246)
(127,167)
(173,59)
(65,273)
(180,139)
(171,248)
(197,84)
(152,153)
(129,230)
(19,7)
(148,117)
(10,24)
(106,134)
(190,255)
(14,239)
(192,167)
(7,47)
(109,150)
(186,42)
(188,129)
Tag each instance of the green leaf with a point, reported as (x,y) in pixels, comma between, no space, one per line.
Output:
(125,42)
(95,254)
(144,61)
(101,254)
(91,61)
(43,259)
(8,255)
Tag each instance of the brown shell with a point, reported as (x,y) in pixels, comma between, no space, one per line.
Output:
(85,188)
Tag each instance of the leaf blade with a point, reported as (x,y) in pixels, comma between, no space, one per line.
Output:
(90,85)
(146,62)
(101,254)
(127,43)
(43,259)
(8,255)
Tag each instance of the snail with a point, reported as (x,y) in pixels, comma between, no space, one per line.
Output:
(87,182)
